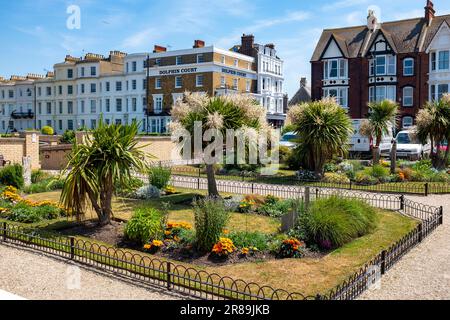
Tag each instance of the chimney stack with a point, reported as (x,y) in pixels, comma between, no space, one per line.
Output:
(158,49)
(303,82)
(199,44)
(429,12)
(247,44)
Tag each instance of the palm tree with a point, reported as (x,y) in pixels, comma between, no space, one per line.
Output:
(433,123)
(217,113)
(107,159)
(324,130)
(382,116)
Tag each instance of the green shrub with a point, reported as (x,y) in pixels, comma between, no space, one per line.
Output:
(68,137)
(12,175)
(365,179)
(186,236)
(336,221)
(146,224)
(377,171)
(275,209)
(211,217)
(38,176)
(243,239)
(285,154)
(159,177)
(129,188)
(335,178)
(330,167)
(47,130)
(48,212)
(24,214)
(49,184)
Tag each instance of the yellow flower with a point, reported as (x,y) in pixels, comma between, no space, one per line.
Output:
(245,251)
(157,243)
(147,246)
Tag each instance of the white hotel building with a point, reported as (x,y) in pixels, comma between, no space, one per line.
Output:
(81,90)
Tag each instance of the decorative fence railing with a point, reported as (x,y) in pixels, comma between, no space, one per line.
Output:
(204,285)
(419,188)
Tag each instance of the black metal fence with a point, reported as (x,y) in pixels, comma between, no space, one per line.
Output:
(419,188)
(204,285)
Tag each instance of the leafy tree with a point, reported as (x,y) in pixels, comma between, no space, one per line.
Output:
(324,130)
(95,169)
(47,130)
(382,115)
(217,113)
(433,123)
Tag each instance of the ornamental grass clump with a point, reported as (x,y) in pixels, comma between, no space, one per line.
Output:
(333,222)
(211,218)
(147,224)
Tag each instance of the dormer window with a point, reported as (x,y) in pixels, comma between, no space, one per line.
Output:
(335,69)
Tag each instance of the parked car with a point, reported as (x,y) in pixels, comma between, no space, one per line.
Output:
(289,140)
(362,146)
(410,147)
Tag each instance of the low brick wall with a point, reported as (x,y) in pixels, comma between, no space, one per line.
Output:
(25,145)
(54,157)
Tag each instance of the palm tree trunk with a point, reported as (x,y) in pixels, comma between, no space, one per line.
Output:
(394,156)
(212,184)
(376,155)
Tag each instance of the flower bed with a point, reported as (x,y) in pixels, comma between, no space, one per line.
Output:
(14,207)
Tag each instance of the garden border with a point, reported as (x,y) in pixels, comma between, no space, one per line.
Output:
(203,285)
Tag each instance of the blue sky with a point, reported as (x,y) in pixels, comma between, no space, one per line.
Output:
(34,35)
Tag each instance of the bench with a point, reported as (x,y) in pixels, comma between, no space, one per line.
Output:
(3,162)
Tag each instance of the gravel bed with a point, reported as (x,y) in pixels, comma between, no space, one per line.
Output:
(424,273)
(35,276)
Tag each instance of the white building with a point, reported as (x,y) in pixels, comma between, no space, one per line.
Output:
(17,103)
(439,52)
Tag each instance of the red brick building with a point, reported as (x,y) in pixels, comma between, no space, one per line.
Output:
(375,62)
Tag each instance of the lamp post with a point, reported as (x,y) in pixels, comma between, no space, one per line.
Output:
(147,92)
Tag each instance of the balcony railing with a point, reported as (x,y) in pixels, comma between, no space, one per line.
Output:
(23,115)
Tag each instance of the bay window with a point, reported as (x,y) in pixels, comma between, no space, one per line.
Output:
(408,96)
(335,69)
(341,95)
(382,93)
(384,64)
(440,60)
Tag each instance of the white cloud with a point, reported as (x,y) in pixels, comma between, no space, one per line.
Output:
(141,38)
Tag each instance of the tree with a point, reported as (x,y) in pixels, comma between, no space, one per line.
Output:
(382,116)
(68,137)
(107,160)
(236,112)
(433,123)
(324,130)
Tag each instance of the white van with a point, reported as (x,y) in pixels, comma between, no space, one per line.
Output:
(408,146)
(360,145)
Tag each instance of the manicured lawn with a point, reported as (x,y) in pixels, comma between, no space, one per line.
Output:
(123,209)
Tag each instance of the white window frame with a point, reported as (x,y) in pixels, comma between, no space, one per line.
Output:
(341,95)
(439,60)
(408,97)
(410,68)
(390,61)
(157,103)
(177,85)
(179,60)
(388,92)
(409,125)
(199,80)
(158,83)
(200,58)
(341,68)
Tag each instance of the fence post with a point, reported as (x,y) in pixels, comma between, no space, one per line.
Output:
(307,197)
(402,202)
(199,172)
(350,185)
(426,189)
(4,231)
(383,262)
(318,297)
(169,280)
(72,248)
(198,183)
(420,230)
(441,215)
(253,187)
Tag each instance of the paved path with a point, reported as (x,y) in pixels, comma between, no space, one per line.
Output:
(39,277)
(424,273)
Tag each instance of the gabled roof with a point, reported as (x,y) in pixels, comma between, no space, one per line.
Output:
(404,36)
(429,39)
(302,95)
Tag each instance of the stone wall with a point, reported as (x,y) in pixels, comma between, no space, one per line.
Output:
(25,145)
